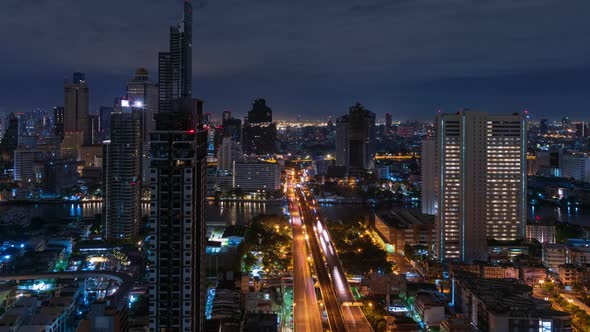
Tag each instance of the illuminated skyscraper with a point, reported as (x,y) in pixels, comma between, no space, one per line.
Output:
(481,189)
(76,118)
(122,176)
(178,183)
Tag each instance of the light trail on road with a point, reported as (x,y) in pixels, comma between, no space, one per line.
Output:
(353,317)
(306,314)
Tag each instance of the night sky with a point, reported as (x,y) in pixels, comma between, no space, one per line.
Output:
(314,58)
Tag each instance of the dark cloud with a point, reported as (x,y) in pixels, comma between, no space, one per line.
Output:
(408,57)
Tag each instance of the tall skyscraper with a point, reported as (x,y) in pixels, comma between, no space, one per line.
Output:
(143,95)
(177,221)
(355,140)
(429,167)
(58,121)
(164,83)
(481,182)
(122,176)
(260,113)
(76,100)
(178,182)
(342,124)
(175,66)
(259,131)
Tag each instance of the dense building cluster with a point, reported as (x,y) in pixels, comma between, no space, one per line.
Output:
(150,213)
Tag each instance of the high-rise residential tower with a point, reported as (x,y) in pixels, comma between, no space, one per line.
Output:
(175,66)
(178,183)
(481,182)
(122,176)
(355,140)
(177,220)
(76,116)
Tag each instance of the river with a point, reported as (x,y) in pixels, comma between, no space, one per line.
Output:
(236,213)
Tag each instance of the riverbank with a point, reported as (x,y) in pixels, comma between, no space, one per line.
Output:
(270,200)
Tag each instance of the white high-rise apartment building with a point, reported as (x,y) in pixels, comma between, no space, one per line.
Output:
(254,176)
(481,182)
(575,165)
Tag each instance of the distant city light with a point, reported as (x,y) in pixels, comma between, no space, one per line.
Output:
(138,104)
(124,103)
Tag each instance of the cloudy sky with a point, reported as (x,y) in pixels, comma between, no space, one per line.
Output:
(314,58)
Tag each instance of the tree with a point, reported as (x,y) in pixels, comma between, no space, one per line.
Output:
(578,287)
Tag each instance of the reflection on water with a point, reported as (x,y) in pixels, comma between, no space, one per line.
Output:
(573,215)
(67,210)
(236,213)
(228,213)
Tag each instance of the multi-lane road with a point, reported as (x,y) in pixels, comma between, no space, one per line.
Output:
(353,317)
(306,312)
(308,227)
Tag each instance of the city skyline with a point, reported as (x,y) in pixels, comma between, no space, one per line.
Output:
(522,64)
(279,166)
